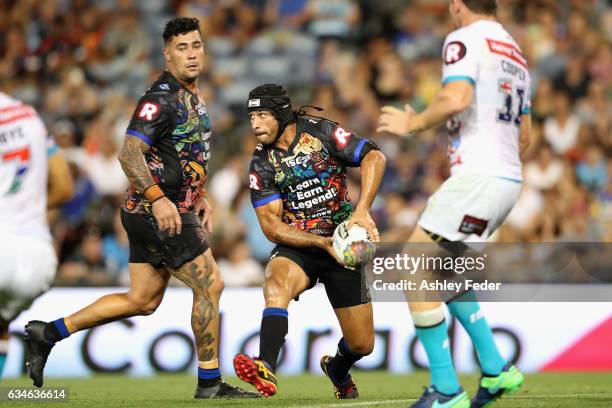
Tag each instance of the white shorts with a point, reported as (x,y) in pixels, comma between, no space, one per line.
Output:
(27,268)
(469,207)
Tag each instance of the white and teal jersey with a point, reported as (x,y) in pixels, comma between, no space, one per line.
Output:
(484,138)
(25,146)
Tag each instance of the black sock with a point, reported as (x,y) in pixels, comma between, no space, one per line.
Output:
(274,328)
(342,362)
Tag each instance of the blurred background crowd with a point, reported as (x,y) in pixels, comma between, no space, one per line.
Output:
(84,63)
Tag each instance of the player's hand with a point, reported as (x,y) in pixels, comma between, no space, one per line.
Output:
(204,205)
(167,216)
(397,122)
(363,218)
(328,245)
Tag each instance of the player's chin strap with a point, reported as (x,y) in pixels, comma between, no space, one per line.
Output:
(299,112)
(282,127)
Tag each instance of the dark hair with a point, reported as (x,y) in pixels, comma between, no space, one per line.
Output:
(180,25)
(488,7)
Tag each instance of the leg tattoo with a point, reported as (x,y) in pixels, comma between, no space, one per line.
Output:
(204,315)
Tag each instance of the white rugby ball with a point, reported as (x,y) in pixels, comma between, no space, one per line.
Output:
(353,245)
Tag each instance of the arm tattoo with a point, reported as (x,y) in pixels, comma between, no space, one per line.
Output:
(133,163)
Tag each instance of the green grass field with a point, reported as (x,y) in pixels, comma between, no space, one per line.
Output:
(377,389)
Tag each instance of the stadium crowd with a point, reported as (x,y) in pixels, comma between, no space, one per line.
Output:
(83,64)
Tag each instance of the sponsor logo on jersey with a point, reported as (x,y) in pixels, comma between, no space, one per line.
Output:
(296,161)
(473,225)
(165,87)
(454,52)
(15,113)
(341,137)
(254,181)
(201,109)
(507,50)
(148,111)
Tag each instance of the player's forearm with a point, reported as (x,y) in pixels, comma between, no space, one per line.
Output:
(134,165)
(284,234)
(372,170)
(439,111)
(451,100)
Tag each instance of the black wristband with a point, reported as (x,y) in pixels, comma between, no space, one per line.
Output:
(162,196)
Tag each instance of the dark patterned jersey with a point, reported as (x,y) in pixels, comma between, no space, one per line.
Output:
(175,123)
(310,176)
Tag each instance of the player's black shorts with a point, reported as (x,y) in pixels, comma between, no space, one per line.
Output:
(344,287)
(150,245)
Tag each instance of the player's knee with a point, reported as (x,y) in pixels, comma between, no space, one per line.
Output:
(217,286)
(363,346)
(144,307)
(148,308)
(276,293)
(211,288)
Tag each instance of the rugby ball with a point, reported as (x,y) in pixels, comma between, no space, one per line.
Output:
(353,245)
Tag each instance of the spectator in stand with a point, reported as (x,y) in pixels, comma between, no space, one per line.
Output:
(333,18)
(592,172)
(239,269)
(104,169)
(545,171)
(575,80)
(561,129)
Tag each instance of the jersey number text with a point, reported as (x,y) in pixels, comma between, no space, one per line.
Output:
(511,111)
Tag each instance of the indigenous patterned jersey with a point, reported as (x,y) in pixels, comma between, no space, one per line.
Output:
(175,123)
(310,176)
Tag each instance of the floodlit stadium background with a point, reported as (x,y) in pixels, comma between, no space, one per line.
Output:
(83,65)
